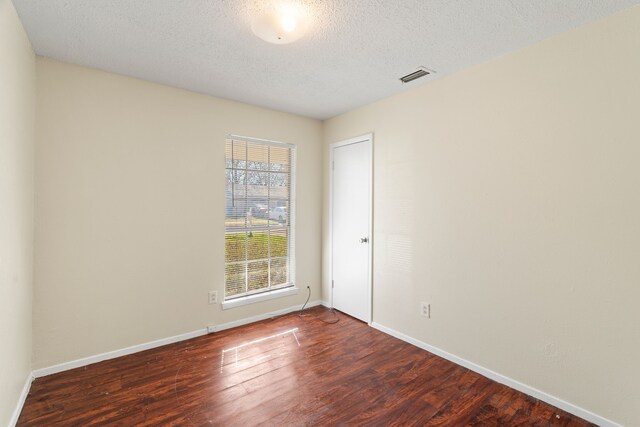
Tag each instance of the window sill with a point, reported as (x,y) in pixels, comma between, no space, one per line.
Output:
(251,299)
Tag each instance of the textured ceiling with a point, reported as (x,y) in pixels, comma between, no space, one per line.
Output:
(353,53)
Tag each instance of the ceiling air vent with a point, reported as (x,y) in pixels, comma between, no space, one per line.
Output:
(420,72)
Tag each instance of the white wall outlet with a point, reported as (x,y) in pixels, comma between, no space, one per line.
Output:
(425,309)
(211,329)
(213,297)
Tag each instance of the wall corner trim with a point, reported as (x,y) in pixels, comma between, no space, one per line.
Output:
(23,397)
(502,379)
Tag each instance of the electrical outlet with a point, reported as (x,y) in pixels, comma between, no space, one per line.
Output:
(213,297)
(211,329)
(425,309)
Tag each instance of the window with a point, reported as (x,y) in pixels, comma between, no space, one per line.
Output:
(258,216)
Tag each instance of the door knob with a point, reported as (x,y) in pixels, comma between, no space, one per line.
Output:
(364,240)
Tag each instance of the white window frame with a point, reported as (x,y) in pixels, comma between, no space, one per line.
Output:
(290,288)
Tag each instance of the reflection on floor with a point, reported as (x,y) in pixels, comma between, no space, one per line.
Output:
(253,352)
(292,370)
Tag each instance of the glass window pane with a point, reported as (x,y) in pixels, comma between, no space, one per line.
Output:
(279,213)
(259,207)
(258,245)
(235,247)
(236,216)
(280,159)
(257,157)
(280,183)
(234,279)
(257,185)
(258,275)
(236,154)
(279,243)
(279,270)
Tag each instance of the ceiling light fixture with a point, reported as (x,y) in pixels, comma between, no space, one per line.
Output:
(280,25)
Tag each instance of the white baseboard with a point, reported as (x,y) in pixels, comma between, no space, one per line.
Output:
(157,343)
(43,372)
(23,398)
(517,385)
(247,320)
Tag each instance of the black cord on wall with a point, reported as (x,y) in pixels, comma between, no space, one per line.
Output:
(336,320)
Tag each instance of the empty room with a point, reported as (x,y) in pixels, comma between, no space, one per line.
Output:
(319,213)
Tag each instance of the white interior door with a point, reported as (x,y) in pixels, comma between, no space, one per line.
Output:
(351,226)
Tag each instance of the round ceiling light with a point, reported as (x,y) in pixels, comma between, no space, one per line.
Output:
(280,25)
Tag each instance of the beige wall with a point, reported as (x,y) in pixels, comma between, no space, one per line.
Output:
(505,195)
(130,209)
(17,115)
(508,197)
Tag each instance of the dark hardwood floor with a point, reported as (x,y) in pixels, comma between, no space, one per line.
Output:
(286,371)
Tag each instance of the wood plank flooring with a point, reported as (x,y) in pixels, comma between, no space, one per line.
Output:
(289,371)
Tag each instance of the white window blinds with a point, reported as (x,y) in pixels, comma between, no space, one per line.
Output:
(258,216)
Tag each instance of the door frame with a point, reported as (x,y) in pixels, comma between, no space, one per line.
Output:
(363,138)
